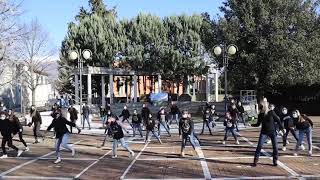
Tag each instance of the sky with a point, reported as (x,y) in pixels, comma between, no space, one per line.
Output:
(54,15)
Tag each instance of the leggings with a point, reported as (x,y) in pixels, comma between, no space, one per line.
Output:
(22,140)
(5,140)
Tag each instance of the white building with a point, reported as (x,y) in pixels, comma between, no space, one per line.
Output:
(12,83)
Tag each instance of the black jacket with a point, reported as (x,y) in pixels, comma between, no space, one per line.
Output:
(288,122)
(36,118)
(240,108)
(229,123)
(145,113)
(5,128)
(302,125)
(150,123)
(268,122)
(59,125)
(186,126)
(160,114)
(175,109)
(15,125)
(116,129)
(207,117)
(136,119)
(73,113)
(125,114)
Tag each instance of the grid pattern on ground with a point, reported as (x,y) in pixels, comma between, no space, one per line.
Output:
(162,161)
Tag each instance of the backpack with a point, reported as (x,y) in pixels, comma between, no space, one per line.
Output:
(185,126)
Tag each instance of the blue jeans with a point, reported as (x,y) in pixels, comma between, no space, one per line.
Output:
(185,138)
(115,145)
(103,120)
(136,126)
(63,141)
(230,130)
(174,117)
(262,139)
(86,118)
(163,124)
(152,131)
(308,133)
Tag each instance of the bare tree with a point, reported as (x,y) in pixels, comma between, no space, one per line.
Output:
(10,32)
(36,53)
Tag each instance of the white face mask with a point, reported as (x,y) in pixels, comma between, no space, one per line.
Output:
(184,115)
(125,108)
(295,115)
(3,117)
(285,111)
(134,112)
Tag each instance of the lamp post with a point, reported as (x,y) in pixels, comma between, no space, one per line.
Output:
(79,54)
(225,51)
(25,69)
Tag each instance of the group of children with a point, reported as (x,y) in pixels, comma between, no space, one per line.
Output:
(272,123)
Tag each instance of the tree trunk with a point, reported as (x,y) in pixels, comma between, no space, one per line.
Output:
(185,85)
(144,85)
(33,94)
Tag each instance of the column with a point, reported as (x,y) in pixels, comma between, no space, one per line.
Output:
(159,84)
(135,89)
(216,85)
(76,90)
(103,91)
(89,93)
(194,87)
(207,88)
(111,87)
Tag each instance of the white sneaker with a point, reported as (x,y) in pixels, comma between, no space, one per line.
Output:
(114,156)
(284,149)
(295,154)
(4,156)
(223,142)
(269,141)
(302,147)
(57,161)
(237,142)
(73,152)
(19,152)
(27,149)
(310,153)
(131,154)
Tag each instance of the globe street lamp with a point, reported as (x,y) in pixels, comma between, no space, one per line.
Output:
(225,51)
(77,55)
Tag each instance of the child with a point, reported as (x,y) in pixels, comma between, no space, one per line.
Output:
(207,119)
(16,127)
(289,125)
(125,114)
(6,132)
(229,123)
(150,124)
(186,128)
(118,136)
(162,119)
(304,125)
(136,123)
(59,124)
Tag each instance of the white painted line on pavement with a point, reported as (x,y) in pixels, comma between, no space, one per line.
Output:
(135,159)
(35,177)
(205,168)
(245,177)
(291,171)
(92,164)
(29,162)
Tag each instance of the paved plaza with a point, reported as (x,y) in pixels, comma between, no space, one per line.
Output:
(212,160)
